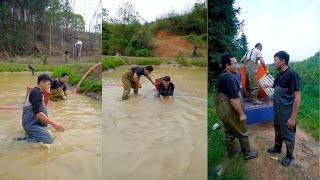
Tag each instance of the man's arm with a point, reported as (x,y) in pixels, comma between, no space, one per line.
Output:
(150,80)
(65,93)
(136,80)
(263,64)
(244,59)
(236,105)
(47,120)
(296,104)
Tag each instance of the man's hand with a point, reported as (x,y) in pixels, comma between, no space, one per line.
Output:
(267,85)
(291,122)
(58,126)
(267,72)
(243,118)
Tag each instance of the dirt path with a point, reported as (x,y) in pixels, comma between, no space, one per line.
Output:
(305,165)
(166,44)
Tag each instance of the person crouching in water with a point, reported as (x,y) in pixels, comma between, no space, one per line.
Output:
(35,117)
(131,78)
(59,88)
(166,88)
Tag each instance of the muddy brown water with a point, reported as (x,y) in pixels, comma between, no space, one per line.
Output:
(75,154)
(144,138)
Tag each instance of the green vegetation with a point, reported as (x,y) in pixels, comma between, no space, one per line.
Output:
(91,84)
(130,36)
(232,169)
(224,34)
(25,24)
(112,62)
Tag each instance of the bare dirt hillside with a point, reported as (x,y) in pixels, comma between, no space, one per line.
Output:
(169,45)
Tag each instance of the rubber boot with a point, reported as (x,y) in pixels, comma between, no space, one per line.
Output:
(255,100)
(249,97)
(135,91)
(289,157)
(245,148)
(231,148)
(275,149)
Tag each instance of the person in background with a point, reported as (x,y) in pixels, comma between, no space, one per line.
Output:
(166,88)
(32,69)
(194,51)
(78,48)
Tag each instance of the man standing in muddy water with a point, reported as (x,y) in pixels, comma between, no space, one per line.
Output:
(228,102)
(34,117)
(130,79)
(59,88)
(285,106)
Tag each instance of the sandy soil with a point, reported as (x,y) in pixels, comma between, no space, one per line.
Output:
(166,44)
(304,166)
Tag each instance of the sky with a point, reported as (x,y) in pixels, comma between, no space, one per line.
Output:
(289,25)
(87,8)
(150,9)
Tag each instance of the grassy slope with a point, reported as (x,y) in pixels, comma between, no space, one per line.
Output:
(91,84)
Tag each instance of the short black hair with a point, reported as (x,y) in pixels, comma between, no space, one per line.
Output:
(64,74)
(150,68)
(43,77)
(283,55)
(226,59)
(166,78)
(258,45)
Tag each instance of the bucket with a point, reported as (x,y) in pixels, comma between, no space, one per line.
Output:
(158,81)
(46,95)
(260,73)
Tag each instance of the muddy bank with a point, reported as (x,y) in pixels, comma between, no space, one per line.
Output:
(306,153)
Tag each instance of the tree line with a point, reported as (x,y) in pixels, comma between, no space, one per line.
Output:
(129,34)
(24,23)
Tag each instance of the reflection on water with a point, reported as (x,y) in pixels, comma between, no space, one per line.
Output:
(144,138)
(75,154)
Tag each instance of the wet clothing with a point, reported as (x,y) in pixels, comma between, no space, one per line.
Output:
(228,88)
(285,85)
(166,91)
(250,66)
(56,90)
(56,83)
(139,70)
(128,83)
(35,129)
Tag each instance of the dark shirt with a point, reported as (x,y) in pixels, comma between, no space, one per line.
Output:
(166,91)
(56,83)
(288,79)
(139,70)
(36,98)
(228,85)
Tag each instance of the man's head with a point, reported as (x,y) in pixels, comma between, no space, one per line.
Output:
(258,46)
(229,63)
(44,82)
(147,70)
(64,77)
(281,59)
(77,38)
(166,80)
